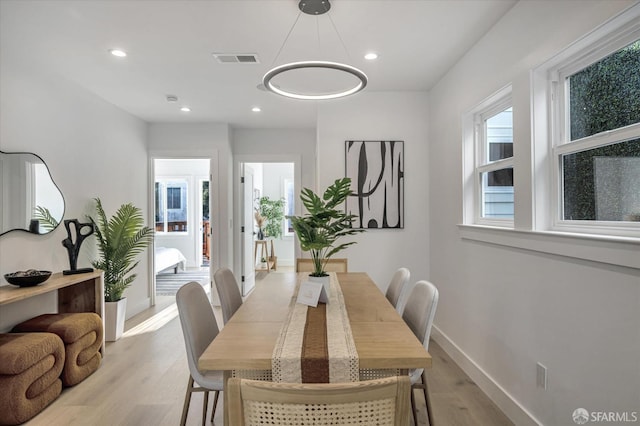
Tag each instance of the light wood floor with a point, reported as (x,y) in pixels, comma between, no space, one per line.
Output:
(143,378)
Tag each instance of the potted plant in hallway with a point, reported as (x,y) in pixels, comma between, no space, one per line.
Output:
(272,213)
(270,217)
(120,240)
(320,229)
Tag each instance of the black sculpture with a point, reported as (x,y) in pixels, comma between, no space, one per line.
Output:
(74,248)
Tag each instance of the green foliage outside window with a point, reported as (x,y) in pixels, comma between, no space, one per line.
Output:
(604,96)
(579,178)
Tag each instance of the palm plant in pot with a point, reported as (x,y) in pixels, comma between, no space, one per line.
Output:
(320,229)
(121,239)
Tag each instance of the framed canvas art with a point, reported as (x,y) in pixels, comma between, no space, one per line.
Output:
(376,169)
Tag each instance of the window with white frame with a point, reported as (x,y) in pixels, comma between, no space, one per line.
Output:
(289,205)
(595,142)
(171,205)
(489,148)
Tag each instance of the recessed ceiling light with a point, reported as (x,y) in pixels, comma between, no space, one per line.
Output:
(185,109)
(117,52)
(371,56)
(256,109)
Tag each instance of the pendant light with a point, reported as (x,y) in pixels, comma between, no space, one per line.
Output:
(315,8)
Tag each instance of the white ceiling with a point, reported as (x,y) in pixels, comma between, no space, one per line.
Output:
(170,45)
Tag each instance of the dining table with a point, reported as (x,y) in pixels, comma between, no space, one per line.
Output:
(246,343)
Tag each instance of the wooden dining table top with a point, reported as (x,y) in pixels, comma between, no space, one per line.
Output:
(381,337)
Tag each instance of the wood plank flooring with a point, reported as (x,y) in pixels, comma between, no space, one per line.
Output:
(144,375)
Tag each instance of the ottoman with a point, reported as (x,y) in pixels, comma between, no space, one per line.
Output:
(30,366)
(82,336)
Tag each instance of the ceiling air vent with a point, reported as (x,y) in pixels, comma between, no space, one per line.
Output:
(236,58)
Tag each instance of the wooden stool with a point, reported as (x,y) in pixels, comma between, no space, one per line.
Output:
(82,334)
(30,366)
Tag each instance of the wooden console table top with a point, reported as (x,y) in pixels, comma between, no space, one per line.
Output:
(11,293)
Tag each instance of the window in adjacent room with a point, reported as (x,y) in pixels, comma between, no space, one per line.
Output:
(289,204)
(596,145)
(171,205)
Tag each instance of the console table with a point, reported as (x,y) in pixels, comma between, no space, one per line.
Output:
(76,293)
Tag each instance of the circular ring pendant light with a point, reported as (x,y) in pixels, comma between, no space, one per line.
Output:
(335,66)
(314,7)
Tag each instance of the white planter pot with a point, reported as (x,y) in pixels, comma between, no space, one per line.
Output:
(326,284)
(114,315)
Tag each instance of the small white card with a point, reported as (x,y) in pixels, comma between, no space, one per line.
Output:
(310,293)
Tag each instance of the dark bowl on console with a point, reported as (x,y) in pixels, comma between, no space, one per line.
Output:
(29,278)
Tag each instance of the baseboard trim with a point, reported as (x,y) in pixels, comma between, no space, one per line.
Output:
(138,307)
(511,408)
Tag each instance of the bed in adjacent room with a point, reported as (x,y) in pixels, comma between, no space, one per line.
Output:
(169,258)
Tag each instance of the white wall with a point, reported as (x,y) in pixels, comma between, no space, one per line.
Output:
(501,309)
(92,150)
(267,145)
(204,140)
(382,116)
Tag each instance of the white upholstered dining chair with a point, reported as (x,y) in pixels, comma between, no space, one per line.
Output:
(398,282)
(228,292)
(418,313)
(382,401)
(199,328)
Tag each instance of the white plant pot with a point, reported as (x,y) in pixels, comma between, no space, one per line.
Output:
(326,284)
(114,315)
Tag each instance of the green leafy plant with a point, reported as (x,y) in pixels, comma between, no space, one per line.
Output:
(120,240)
(46,219)
(320,229)
(603,96)
(273,213)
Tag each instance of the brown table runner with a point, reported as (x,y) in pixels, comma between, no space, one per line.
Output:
(316,345)
(314,356)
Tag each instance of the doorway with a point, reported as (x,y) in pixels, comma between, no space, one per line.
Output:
(182,243)
(272,181)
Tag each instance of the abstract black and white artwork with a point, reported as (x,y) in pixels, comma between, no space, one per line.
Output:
(376,169)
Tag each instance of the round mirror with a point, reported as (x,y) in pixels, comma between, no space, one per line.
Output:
(30,200)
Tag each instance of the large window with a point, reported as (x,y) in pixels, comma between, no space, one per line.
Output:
(596,145)
(490,144)
(171,205)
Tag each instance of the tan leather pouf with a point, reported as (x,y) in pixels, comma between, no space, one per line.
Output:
(30,367)
(82,336)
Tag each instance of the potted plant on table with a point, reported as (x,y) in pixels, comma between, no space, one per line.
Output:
(320,229)
(120,240)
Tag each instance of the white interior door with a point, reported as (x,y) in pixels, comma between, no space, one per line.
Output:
(248,267)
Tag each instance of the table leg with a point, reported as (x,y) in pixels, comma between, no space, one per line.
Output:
(225,400)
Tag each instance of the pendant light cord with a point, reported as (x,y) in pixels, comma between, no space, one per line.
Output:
(318,36)
(286,38)
(339,37)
